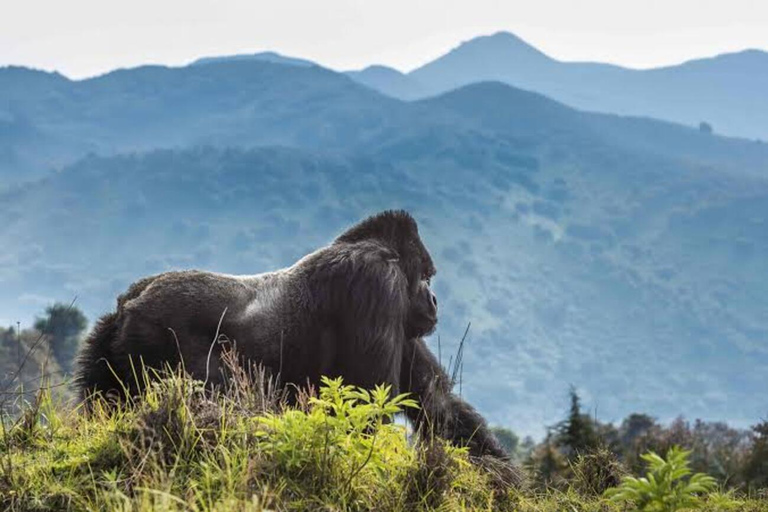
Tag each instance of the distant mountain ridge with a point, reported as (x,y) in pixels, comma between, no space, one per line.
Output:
(272,57)
(389,81)
(48,121)
(728,91)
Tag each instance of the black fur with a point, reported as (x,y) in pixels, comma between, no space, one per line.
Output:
(442,412)
(356,308)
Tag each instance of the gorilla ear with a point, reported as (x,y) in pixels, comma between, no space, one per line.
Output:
(392,227)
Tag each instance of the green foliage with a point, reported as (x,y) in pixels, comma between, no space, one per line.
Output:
(547,464)
(594,472)
(25,366)
(734,457)
(242,449)
(345,439)
(63,324)
(181,448)
(508,439)
(756,470)
(577,433)
(665,487)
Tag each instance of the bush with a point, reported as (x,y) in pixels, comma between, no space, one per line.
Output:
(665,488)
(596,471)
(63,325)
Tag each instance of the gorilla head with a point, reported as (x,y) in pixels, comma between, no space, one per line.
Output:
(398,231)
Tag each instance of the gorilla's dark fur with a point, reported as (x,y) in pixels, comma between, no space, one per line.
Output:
(356,308)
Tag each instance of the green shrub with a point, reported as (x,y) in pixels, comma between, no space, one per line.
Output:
(344,444)
(665,488)
(594,472)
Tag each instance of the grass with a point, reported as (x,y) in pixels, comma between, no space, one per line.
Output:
(244,449)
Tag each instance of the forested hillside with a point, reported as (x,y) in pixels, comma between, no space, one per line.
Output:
(626,256)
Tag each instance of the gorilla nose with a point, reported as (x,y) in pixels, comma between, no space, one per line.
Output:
(434,299)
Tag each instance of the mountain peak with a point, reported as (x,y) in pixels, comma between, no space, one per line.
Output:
(271,57)
(388,81)
(502,57)
(501,44)
(378,69)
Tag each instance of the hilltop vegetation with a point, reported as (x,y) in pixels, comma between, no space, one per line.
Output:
(183,449)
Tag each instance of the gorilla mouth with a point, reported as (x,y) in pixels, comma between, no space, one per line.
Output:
(425,324)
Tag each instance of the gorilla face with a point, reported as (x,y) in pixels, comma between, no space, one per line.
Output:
(422,317)
(399,232)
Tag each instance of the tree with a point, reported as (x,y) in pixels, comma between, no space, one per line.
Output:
(508,440)
(577,433)
(719,450)
(705,127)
(547,464)
(756,470)
(526,447)
(62,325)
(634,426)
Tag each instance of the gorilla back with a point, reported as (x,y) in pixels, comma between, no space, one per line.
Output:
(345,310)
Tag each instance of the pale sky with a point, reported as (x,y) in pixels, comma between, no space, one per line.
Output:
(81,38)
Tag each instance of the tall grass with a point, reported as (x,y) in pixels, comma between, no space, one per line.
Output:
(252,446)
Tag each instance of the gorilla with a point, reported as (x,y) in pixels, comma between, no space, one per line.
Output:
(357,308)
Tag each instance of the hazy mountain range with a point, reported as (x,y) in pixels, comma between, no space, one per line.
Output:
(727,91)
(626,256)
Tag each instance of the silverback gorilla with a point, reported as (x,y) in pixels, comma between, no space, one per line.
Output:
(356,309)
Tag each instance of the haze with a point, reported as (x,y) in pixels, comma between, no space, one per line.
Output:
(83,38)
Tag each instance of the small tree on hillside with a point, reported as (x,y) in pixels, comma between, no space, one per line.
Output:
(634,426)
(547,464)
(508,439)
(756,470)
(577,433)
(63,325)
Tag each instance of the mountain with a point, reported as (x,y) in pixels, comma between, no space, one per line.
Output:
(48,121)
(273,57)
(388,81)
(501,57)
(727,91)
(623,255)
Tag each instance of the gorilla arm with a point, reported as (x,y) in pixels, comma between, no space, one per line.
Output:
(366,292)
(442,412)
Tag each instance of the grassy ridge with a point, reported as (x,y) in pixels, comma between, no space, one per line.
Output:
(244,449)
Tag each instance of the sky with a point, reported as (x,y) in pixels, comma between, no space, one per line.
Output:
(82,38)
